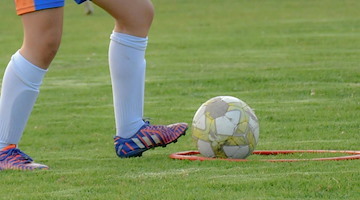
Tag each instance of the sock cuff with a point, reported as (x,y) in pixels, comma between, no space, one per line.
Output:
(135,42)
(31,74)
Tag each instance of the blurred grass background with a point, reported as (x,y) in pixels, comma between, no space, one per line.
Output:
(295,62)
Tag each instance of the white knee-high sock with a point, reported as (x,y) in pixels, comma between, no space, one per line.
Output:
(127,70)
(20,88)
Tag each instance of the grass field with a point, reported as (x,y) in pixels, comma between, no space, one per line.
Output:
(295,62)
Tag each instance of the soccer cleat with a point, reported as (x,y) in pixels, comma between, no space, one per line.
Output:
(148,137)
(13,158)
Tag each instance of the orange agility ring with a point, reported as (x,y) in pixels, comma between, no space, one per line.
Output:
(194,155)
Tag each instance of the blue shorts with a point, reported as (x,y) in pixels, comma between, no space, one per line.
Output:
(27,6)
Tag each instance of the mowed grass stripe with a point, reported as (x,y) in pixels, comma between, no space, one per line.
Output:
(271,54)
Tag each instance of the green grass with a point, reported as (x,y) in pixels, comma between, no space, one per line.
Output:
(271,54)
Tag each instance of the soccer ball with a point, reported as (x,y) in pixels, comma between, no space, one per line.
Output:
(225,127)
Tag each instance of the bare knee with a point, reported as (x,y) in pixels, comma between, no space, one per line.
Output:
(40,52)
(131,17)
(138,25)
(42,36)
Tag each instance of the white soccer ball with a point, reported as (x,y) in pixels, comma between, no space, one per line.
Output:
(225,127)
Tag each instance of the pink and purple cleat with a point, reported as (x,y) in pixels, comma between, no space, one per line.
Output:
(14,159)
(148,137)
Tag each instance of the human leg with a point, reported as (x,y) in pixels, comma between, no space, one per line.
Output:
(23,77)
(128,43)
(127,60)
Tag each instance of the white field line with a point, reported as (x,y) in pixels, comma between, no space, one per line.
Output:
(306,141)
(180,172)
(247,177)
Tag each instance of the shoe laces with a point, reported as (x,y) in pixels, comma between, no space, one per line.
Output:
(17,154)
(146,120)
(147,123)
